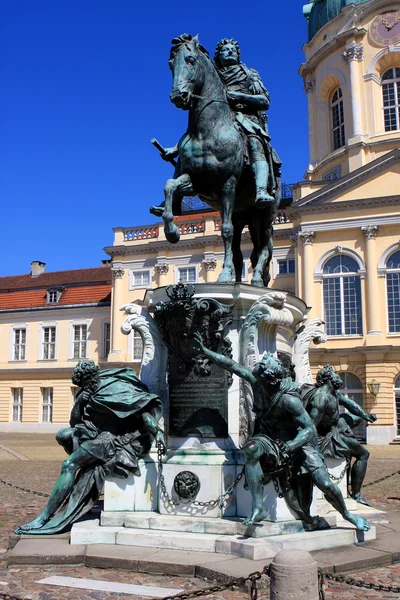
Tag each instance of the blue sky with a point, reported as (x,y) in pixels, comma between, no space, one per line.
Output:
(84,87)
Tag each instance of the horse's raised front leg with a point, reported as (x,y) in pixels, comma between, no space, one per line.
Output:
(227,202)
(180,186)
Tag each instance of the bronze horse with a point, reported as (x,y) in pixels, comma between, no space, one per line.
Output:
(212,164)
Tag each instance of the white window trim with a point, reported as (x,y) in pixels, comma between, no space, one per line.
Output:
(319,268)
(282,253)
(41,341)
(132,286)
(72,324)
(18,387)
(189,266)
(280,275)
(103,329)
(130,347)
(43,387)
(342,335)
(12,337)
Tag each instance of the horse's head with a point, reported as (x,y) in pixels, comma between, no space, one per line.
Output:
(184,63)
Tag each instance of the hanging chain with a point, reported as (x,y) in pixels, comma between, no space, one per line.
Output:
(219,501)
(361,583)
(17,487)
(252,578)
(342,474)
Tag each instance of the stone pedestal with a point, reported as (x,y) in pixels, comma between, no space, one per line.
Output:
(145,510)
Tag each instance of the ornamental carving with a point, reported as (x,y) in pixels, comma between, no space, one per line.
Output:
(162,268)
(309,85)
(370,231)
(117,272)
(355,52)
(306,237)
(209,263)
(311,331)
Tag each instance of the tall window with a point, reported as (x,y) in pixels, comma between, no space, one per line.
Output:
(353,388)
(396,391)
(137,352)
(187,274)
(17,399)
(19,344)
(47,405)
(80,341)
(342,296)
(393,291)
(337,112)
(106,339)
(49,343)
(391,98)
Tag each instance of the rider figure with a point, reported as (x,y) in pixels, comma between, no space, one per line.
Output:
(248,100)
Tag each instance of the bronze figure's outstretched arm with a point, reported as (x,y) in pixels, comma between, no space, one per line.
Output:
(224,361)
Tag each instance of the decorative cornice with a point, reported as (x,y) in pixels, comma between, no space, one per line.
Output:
(354,52)
(162,268)
(309,85)
(372,77)
(209,263)
(307,237)
(117,272)
(370,231)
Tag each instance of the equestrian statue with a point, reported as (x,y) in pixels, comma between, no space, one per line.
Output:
(225,156)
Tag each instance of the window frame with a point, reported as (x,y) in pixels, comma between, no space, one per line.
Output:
(42,342)
(18,405)
(14,329)
(136,334)
(341,276)
(391,271)
(179,268)
(396,106)
(133,285)
(337,105)
(288,272)
(49,405)
(106,325)
(73,324)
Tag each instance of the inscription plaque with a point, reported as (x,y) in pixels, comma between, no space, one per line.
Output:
(198,405)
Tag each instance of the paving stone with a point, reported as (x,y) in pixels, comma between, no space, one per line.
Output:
(352,558)
(389,542)
(46,552)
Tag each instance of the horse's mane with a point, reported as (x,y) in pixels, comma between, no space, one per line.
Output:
(185,38)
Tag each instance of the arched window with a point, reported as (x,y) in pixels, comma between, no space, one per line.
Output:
(393,291)
(337,112)
(391,98)
(353,388)
(342,296)
(396,391)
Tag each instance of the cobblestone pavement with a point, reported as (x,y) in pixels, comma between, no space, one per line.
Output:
(40,472)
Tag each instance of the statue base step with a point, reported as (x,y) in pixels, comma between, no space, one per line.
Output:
(152,530)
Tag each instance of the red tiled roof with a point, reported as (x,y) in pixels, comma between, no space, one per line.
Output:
(55,278)
(91,294)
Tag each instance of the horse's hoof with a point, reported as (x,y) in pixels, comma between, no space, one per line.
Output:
(257,283)
(224,278)
(172,234)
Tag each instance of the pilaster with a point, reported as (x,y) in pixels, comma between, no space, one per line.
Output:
(307,238)
(374,315)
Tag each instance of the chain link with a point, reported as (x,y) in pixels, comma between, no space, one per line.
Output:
(361,583)
(219,501)
(381,479)
(17,487)
(252,578)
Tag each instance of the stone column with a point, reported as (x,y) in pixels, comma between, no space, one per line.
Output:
(374,314)
(294,576)
(353,55)
(309,88)
(162,269)
(307,238)
(117,301)
(210,264)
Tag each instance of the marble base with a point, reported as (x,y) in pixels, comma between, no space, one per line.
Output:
(253,547)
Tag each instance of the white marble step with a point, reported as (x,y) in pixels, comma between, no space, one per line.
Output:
(218,526)
(247,547)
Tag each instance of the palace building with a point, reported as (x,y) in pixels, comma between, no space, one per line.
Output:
(337,245)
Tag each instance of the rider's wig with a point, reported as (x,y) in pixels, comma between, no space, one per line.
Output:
(219,47)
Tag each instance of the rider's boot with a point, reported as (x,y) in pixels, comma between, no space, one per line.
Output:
(260,169)
(157,210)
